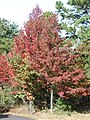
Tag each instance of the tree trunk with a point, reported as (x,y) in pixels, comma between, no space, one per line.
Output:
(31,107)
(51,103)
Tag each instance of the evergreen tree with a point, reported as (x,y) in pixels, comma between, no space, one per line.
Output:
(75,19)
(7,31)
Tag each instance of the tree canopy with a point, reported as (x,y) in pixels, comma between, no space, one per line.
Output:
(75,19)
(7,31)
(54,61)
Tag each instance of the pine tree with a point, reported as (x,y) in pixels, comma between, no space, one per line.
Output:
(7,31)
(75,20)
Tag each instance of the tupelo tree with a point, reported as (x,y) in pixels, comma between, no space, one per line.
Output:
(3,70)
(49,56)
(6,71)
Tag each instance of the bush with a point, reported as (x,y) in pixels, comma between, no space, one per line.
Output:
(78,104)
(63,104)
(7,101)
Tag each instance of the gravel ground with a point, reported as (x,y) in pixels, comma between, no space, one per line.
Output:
(13,117)
(18,112)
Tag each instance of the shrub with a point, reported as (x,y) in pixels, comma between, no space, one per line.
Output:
(7,101)
(63,104)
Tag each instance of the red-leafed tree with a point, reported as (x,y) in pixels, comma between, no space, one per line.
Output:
(3,70)
(54,60)
(6,72)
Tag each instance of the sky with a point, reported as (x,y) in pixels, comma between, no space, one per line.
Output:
(18,10)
